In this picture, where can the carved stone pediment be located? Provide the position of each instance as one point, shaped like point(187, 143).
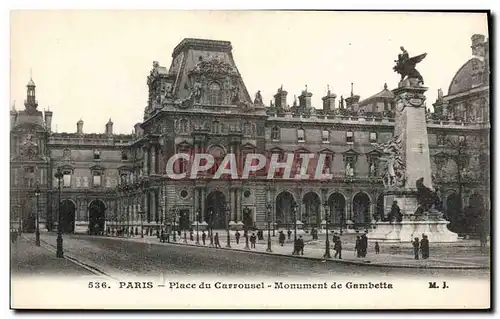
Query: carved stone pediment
point(213, 67)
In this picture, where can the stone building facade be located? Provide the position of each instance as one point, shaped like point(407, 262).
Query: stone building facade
point(200, 104)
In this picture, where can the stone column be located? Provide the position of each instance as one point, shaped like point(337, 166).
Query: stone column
point(196, 196)
point(145, 161)
point(239, 204)
point(153, 160)
point(202, 203)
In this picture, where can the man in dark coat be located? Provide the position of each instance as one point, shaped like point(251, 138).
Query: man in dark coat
point(424, 246)
point(289, 233)
point(357, 247)
point(300, 246)
point(416, 247)
point(253, 239)
point(203, 237)
point(281, 238)
point(216, 241)
point(364, 244)
point(237, 237)
point(337, 247)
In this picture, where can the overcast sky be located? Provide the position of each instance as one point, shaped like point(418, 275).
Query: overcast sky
point(92, 65)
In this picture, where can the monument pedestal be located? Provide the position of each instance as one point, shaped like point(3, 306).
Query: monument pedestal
point(407, 230)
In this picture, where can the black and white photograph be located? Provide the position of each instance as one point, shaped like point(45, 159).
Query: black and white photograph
point(250, 159)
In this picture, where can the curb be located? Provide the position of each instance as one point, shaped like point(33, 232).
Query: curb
point(368, 264)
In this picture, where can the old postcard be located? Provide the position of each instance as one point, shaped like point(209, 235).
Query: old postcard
point(249, 160)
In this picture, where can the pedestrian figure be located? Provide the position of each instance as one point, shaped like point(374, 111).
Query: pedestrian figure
point(136, 231)
point(357, 248)
point(168, 237)
point(237, 237)
point(252, 240)
point(179, 233)
point(416, 246)
point(338, 247)
point(216, 241)
point(289, 233)
point(377, 248)
point(300, 245)
point(281, 238)
point(364, 245)
point(424, 246)
point(203, 237)
point(162, 237)
point(191, 235)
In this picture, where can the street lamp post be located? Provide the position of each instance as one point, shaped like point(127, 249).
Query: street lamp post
point(142, 223)
point(327, 242)
point(197, 222)
point(228, 213)
point(59, 252)
point(269, 207)
point(175, 221)
point(37, 234)
point(246, 232)
point(294, 226)
point(210, 230)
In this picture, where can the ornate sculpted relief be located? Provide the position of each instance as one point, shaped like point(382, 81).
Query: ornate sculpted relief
point(409, 99)
point(394, 171)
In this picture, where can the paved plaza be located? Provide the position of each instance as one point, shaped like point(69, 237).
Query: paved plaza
point(118, 257)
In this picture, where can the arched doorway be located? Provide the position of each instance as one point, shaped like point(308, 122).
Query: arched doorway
point(312, 205)
point(284, 209)
point(361, 208)
point(68, 209)
point(215, 215)
point(380, 208)
point(97, 217)
point(336, 203)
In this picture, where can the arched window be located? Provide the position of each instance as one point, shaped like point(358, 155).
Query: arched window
point(214, 94)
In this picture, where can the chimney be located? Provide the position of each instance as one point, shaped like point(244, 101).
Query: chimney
point(305, 99)
point(329, 101)
point(478, 45)
point(13, 115)
point(352, 101)
point(280, 98)
point(48, 120)
point(79, 127)
point(109, 128)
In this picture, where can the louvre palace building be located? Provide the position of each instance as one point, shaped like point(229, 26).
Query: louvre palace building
point(200, 104)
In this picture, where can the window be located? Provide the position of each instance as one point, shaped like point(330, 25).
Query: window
point(349, 137)
point(373, 169)
point(183, 126)
point(300, 135)
point(326, 136)
point(124, 155)
point(275, 133)
point(216, 127)
point(96, 179)
point(184, 193)
point(373, 137)
point(66, 178)
point(214, 94)
point(29, 170)
point(440, 139)
point(97, 155)
point(461, 138)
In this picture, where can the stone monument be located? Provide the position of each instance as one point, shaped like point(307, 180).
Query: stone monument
point(409, 202)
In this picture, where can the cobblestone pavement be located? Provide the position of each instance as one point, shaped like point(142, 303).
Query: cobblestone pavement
point(146, 256)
